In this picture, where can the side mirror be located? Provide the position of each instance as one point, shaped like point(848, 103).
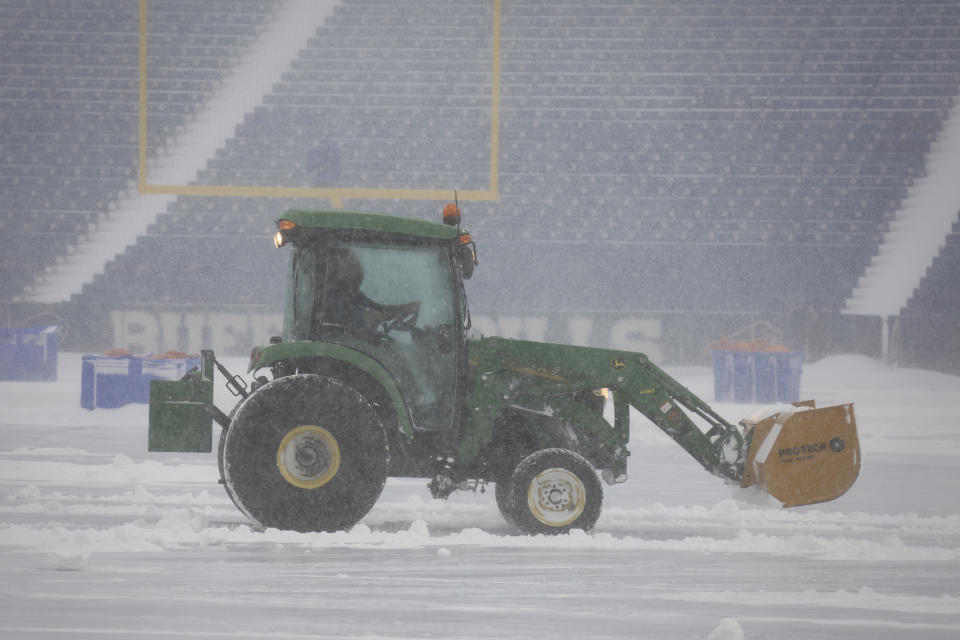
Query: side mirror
point(467, 259)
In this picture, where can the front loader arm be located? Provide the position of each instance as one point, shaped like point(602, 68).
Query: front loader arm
point(799, 454)
point(542, 377)
point(665, 402)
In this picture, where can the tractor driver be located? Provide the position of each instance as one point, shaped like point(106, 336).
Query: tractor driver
point(345, 304)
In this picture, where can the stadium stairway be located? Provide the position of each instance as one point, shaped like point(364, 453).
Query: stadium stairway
point(917, 234)
point(187, 154)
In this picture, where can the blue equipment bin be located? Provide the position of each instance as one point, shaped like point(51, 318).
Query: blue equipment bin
point(756, 377)
point(113, 381)
point(28, 354)
point(789, 368)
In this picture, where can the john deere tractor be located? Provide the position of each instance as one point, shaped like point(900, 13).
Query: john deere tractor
point(375, 375)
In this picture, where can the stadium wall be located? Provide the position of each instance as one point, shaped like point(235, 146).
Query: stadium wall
point(668, 338)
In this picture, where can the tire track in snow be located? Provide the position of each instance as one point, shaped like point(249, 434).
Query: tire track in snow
point(158, 517)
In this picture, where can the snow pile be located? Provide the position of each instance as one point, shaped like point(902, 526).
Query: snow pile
point(122, 470)
point(728, 629)
point(723, 529)
point(855, 372)
point(68, 561)
point(865, 598)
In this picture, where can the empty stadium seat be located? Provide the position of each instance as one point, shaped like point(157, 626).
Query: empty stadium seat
point(658, 135)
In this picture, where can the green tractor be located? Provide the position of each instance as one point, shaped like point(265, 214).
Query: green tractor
point(375, 376)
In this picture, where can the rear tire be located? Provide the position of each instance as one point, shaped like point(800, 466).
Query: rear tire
point(220, 446)
point(305, 453)
point(501, 491)
point(553, 491)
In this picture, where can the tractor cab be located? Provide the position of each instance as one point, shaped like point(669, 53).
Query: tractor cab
point(389, 289)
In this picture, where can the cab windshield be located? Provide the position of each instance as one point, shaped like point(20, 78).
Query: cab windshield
point(368, 288)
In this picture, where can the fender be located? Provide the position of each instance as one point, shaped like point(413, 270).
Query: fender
point(267, 356)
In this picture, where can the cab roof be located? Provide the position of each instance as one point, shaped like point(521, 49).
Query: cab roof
point(363, 221)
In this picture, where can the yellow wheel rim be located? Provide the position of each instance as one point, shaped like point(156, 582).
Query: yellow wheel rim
point(556, 497)
point(308, 457)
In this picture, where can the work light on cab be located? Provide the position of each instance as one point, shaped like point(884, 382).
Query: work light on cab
point(451, 214)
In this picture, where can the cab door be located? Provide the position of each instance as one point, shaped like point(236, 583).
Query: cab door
point(399, 303)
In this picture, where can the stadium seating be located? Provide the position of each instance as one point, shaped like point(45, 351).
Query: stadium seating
point(69, 108)
point(716, 156)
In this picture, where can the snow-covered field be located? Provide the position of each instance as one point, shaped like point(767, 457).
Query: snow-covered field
point(98, 538)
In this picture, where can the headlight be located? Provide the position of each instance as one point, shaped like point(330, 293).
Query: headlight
point(279, 238)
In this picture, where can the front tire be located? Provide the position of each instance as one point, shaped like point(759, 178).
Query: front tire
point(553, 491)
point(305, 453)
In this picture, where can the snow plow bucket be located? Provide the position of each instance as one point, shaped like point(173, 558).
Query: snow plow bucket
point(800, 454)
